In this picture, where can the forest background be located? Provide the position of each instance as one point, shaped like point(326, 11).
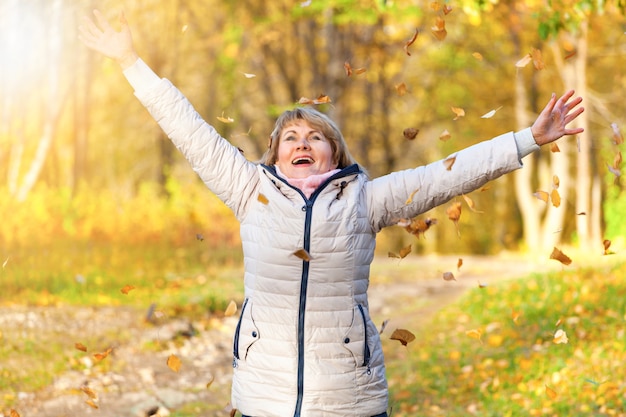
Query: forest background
point(82, 161)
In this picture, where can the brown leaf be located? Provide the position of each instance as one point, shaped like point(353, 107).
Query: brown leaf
point(617, 160)
point(90, 393)
point(607, 245)
point(554, 148)
point(383, 326)
point(445, 136)
point(401, 89)
point(560, 256)
point(470, 204)
point(174, 363)
point(321, 99)
point(349, 70)
point(537, 59)
point(231, 309)
point(410, 133)
point(403, 336)
point(447, 9)
point(126, 289)
point(448, 162)
point(13, 413)
point(458, 112)
point(419, 227)
point(210, 382)
point(448, 276)
point(303, 254)
point(80, 346)
point(477, 55)
point(459, 264)
point(100, 356)
point(439, 29)
point(402, 254)
point(556, 181)
point(91, 404)
point(454, 213)
point(410, 42)
point(618, 139)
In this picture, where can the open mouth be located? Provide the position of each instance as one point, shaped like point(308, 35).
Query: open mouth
point(302, 161)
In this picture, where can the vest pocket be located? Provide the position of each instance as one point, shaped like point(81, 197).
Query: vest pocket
point(355, 340)
point(246, 332)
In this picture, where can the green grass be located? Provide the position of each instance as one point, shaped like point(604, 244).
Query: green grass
point(446, 372)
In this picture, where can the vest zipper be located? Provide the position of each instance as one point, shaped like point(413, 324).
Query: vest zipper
point(237, 330)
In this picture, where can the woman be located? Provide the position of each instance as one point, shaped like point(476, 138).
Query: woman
point(305, 344)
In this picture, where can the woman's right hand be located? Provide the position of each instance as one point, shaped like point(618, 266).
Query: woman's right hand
point(101, 37)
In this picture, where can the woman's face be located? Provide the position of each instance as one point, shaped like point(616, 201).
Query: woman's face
point(303, 151)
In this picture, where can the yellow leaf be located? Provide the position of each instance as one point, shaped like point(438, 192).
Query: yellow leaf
point(91, 404)
point(90, 393)
point(556, 181)
point(550, 393)
point(555, 198)
point(410, 199)
point(403, 336)
point(477, 55)
point(554, 147)
point(475, 334)
point(303, 254)
point(231, 309)
point(560, 337)
point(458, 112)
point(174, 363)
point(542, 195)
point(263, 199)
point(470, 204)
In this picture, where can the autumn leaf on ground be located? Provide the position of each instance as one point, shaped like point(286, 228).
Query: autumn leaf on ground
point(550, 393)
point(458, 112)
point(13, 413)
point(448, 276)
point(402, 254)
point(321, 99)
point(410, 42)
point(555, 197)
point(454, 213)
point(90, 393)
point(439, 29)
point(618, 139)
point(80, 347)
point(560, 256)
point(515, 315)
point(560, 337)
point(410, 199)
point(262, 199)
point(401, 89)
point(349, 70)
point(448, 162)
point(445, 136)
point(231, 309)
point(607, 245)
point(303, 254)
point(101, 356)
point(225, 119)
point(410, 133)
point(542, 195)
point(403, 336)
point(470, 204)
point(126, 289)
point(475, 334)
point(174, 363)
point(490, 114)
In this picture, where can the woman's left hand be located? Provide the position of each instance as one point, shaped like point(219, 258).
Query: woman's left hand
point(554, 118)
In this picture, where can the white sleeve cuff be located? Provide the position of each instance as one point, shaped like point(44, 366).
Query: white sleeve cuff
point(141, 77)
point(525, 142)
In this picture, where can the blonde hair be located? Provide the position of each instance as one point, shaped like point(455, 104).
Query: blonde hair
point(318, 121)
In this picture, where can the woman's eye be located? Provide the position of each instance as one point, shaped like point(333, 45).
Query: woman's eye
point(316, 137)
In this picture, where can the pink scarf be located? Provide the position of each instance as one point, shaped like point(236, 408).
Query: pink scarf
point(309, 184)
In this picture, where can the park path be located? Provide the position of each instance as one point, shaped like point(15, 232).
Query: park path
point(136, 380)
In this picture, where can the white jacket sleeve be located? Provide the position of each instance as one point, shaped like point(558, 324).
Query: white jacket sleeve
point(219, 164)
point(433, 184)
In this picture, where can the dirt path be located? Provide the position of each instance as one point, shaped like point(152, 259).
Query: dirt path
point(134, 380)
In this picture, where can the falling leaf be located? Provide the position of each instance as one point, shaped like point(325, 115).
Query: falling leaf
point(475, 334)
point(618, 139)
point(199, 236)
point(91, 404)
point(410, 199)
point(542, 195)
point(101, 356)
point(614, 171)
point(459, 264)
point(322, 99)
point(537, 59)
point(225, 119)
point(410, 42)
point(4, 264)
point(403, 336)
point(174, 363)
point(555, 198)
point(80, 346)
point(515, 315)
point(303, 254)
point(560, 256)
point(470, 204)
point(349, 70)
point(550, 393)
point(231, 309)
point(454, 213)
point(247, 75)
point(435, 6)
point(447, 9)
point(445, 135)
point(383, 326)
point(210, 382)
point(458, 112)
point(480, 285)
point(401, 89)
point(184, 28)
point(13, 413)
point(478, 56)
point(448, 162)
point(439, 29)
point(556, 182)
point(410, 133)
point(569, 55)
point(448, 276)
point(554, 148)
point(560, 337)
point(402, 254)
point(607, 245)
point(490, 114)
point(126, 289)
point(262, 199)
point(419, 227)
point(90, 393)
point(524, 61)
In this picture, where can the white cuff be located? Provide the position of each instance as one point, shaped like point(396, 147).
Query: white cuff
point(525, 142)
point(141, 77)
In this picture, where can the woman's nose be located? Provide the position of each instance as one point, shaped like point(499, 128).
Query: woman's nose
point(303, 143)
